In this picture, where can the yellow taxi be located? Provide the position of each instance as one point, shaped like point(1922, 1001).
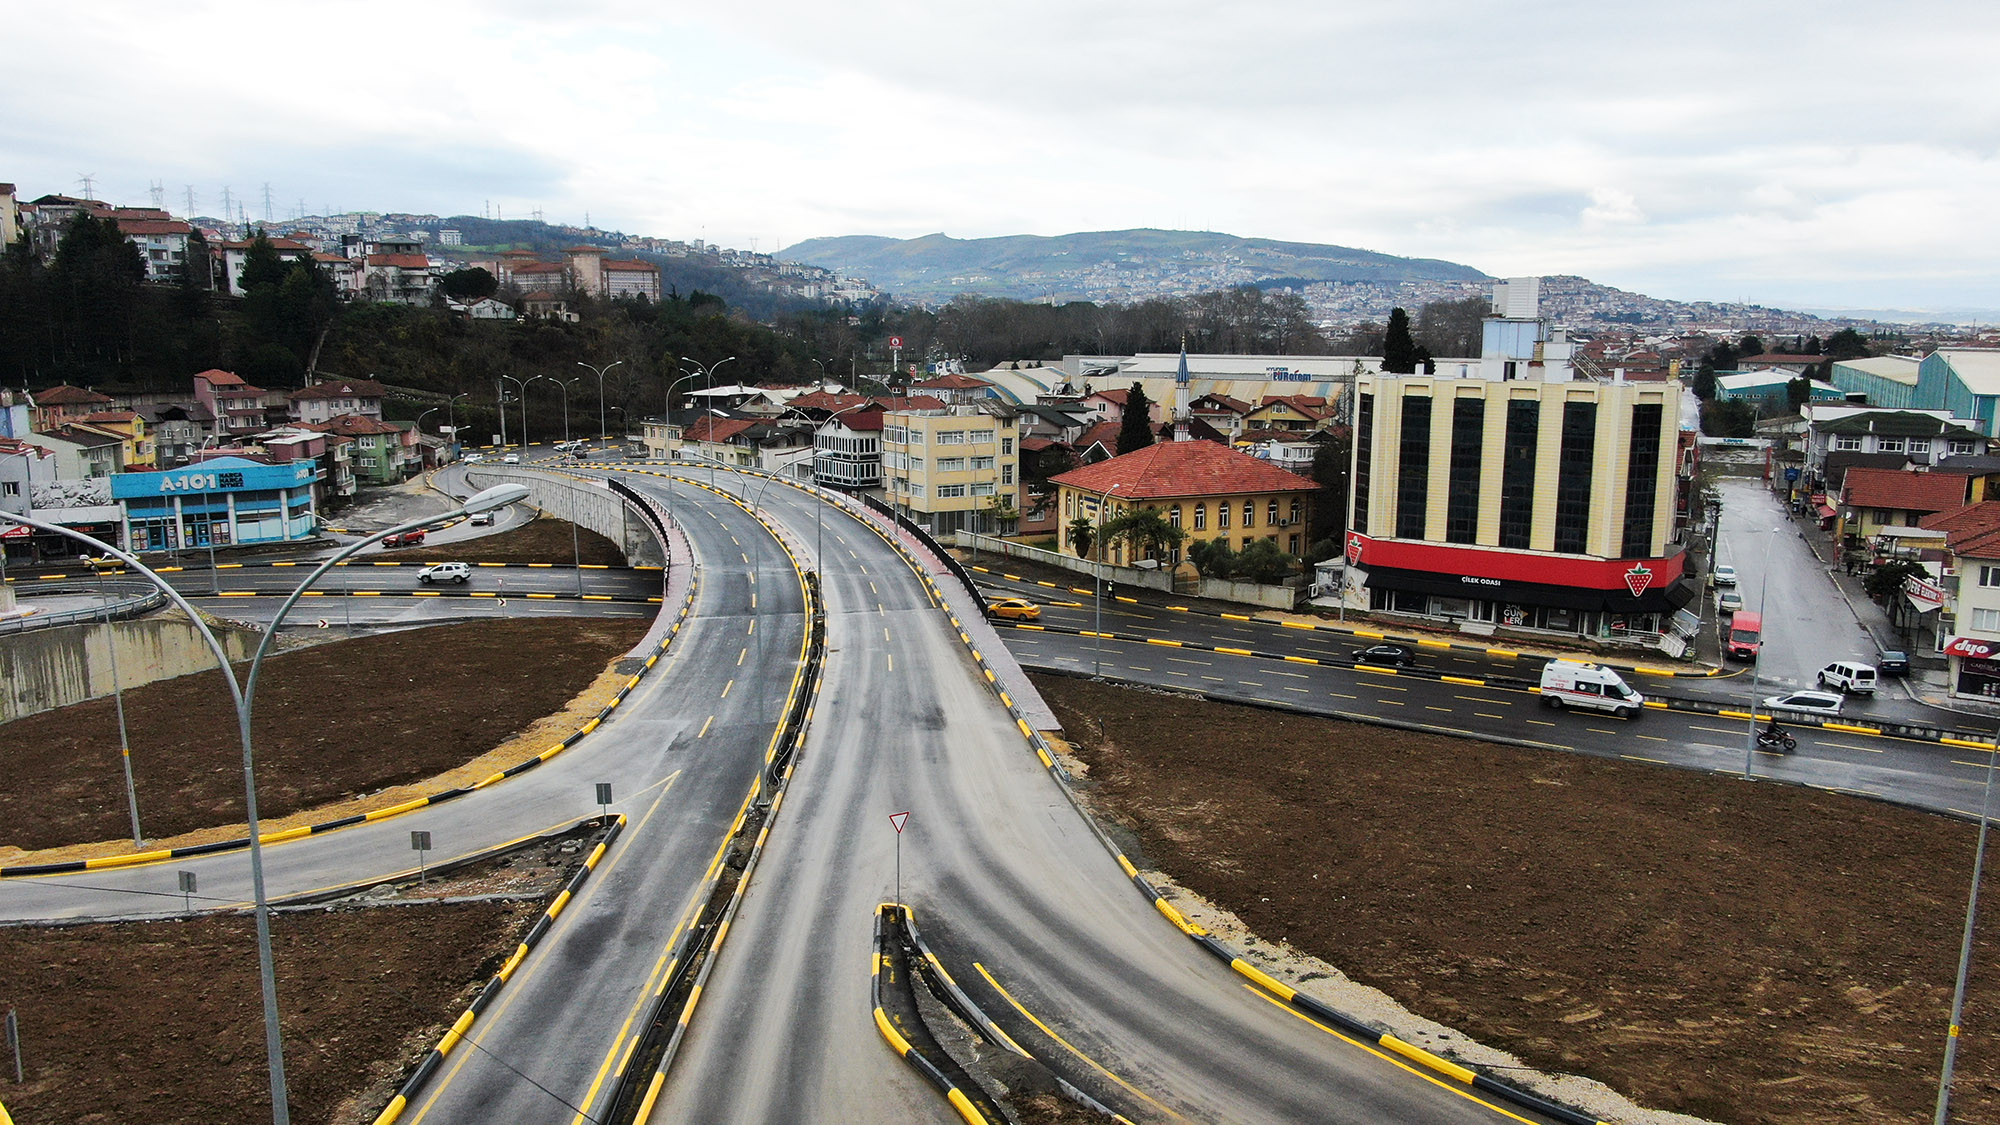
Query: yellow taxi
point(1013, 609)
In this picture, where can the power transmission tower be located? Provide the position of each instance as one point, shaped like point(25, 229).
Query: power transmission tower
point(267, 201)
point(159, 191)
point(228, 209)
point(190, 201)
point(89, 182)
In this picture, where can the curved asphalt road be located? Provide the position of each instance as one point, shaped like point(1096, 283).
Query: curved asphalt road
point(1002, 871)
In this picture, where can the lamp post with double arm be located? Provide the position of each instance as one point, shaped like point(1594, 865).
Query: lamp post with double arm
point(820, 506)
point(602, 433)
point(242, 696)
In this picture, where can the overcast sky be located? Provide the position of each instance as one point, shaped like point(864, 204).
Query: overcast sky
point(1828, 154)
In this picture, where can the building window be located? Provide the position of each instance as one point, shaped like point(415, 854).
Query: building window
point(951, 464)
point(1413, 473)
point(1882, 516)
point(1201, 517)
point(1271, 514)
point(1888, 445)
point(982, 488)
point(950, 491)
point(1249, 514)
point(1247, 540)
point(1461, 506)
point(1006, 474)
point(1222, 515)
point(1298, 509)
point(1006, 447)
point(1989, 575)
point(1579, 440)
point(1847, 443)
point(1364, 440)
point(12, 488)
point(1986, 620)
point(1174, 516)
point(951, 437)
point(1960, 448)
point(982, 464)
point(1641, 481)
point(1292, 544)
point(895, 435)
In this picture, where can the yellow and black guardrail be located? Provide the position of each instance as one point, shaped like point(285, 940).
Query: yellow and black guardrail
point(897, 1018)
point(302, 831)
point(459, 1028)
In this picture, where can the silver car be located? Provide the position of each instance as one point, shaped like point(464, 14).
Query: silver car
point(1810, 702)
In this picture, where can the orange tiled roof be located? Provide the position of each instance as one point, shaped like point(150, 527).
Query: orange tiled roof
point(400, 261)
point(66, 395)
point(1173, 469)
point(1902, 490)
point(110, 416)
point(710, 428)
point(952, 383)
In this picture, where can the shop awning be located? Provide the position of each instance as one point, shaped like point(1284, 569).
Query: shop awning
point(1826, 511)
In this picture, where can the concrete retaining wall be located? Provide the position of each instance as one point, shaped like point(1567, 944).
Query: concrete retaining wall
point(68, 664)
point(1122, 575)
point(1248, 593)
point(583, 501)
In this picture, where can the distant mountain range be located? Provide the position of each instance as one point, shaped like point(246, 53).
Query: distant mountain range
point(1119, 265)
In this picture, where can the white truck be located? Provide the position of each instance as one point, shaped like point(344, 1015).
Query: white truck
point(1579, 683)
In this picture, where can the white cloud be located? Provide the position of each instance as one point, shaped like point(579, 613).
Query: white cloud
point(1677, 151)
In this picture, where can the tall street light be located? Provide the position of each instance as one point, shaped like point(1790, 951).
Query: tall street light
point(524, 408)
point(523, 385)
point(1757, 662)
point(708, 370)
point(500, 404)
point(602, 433)
point(242, 697)
point(820, 506)
point(451, 419)
point(1965, 946)
point(565, 384)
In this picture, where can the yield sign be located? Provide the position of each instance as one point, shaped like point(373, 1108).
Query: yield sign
point(1638, 578)
point(899, 819)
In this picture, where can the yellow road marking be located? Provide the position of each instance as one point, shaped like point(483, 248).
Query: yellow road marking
point(1065, 1044)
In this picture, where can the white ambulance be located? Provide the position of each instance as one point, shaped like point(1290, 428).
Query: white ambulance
point(1579, 683)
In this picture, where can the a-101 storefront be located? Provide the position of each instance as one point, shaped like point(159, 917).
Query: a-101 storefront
point(215, 503)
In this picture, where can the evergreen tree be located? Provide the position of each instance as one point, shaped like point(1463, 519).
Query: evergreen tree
point(1135, 428)
point(1399, 350)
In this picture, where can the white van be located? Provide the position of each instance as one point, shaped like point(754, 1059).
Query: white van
point(1579, 683)
point(1849, 676)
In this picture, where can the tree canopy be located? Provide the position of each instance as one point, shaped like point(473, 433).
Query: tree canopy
point(1135, 426)
point(1399, 350)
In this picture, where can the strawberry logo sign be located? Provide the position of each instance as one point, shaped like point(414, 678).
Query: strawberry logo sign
point(1638, 578)
point(1354, 549)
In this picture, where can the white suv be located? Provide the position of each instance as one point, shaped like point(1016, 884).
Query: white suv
point(445, 572)
point(1851, 677)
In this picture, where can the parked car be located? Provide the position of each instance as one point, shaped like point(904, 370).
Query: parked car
point(1892, 662)
point(445, 572)
point(1810, 702)
point(1393, 655)
point(1728, 601)
point(404, 539)
point(1725, 576)
point(1014, 609)
point(1849, 677)
point(511, 459)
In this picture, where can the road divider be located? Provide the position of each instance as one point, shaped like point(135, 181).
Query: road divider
point(902, 1026)
point(413, 1084)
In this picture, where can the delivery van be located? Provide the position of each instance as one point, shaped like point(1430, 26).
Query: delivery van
point(1593, 687)
point(1745, 636)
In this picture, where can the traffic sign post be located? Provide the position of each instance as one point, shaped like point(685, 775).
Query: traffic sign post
point(603, 800)
point(187, 891)
point(898, 820)
point(421, 841)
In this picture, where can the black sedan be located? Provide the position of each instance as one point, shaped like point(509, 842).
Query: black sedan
point(1394, 656)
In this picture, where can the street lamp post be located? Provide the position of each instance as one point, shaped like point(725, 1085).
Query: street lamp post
point(500, 404)
point(820, 507)
point(241, 696)
point(1757, 662)
point(565, 384)
point(602, 433)
point(523, 385)
point(1965, 946)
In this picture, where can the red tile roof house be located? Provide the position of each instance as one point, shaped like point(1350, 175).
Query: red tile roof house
point(1206, 489)
point(1872, 500)
point(57, 405)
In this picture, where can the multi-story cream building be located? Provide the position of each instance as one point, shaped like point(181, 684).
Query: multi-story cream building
point(1206, 489)
point(1516, 493)
point(956, 469)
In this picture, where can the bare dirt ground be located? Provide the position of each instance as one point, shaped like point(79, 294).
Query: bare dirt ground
point(162, 1022)
point(332, 722)
point(1746, 952)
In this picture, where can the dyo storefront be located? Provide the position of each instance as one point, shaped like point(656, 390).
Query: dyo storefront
point(215, 504)
point(1578, 595)
point(1975, 667)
